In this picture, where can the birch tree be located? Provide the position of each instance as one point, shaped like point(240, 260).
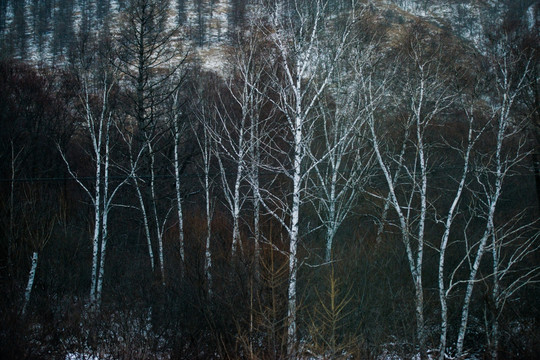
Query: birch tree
point(511, 247)
point(495, 168)
point(206, 114)
point(98, 127)
point(345, 162)
point(39, 217)
point(426, 94)
point(230, 135)
point(206, 146)
point(236, 132)
point(306, 61)
point(252, 90)
point(178, 130)
point(450, 215)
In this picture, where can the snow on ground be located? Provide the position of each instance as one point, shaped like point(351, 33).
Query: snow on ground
point(214, 58)
point(82, 356)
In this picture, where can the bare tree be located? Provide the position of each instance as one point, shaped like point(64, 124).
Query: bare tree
point(178, 129)
point(426, 95)
point(39, 217)
point(306, 61)
point(236, 132)
point(207, 147)
point(472, 137)
point(230, 134)
point(511, 246)
point(345, 159)
point(495, 168)
point(97, 126)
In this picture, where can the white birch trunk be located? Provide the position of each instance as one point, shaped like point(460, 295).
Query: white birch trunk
point(159, 233)
point(293, 241)
point(105, 216)
point(256, 236)
point(104, 239)
point(470, 286)
point(177, 184)
point(301, 47)
point(30, 49)
point(443, 292)
point(233, 148)
point(415, 265)
point(236, 242)
point(492, 202)
point(11, 207)
point(340, 178)
point(99, 128)
point(30, 283)
point(331, 225)
point(421, 225)
point(207, 251)
point(96, 140)
point(388, 197)
point(254, 181)
point(142, 207)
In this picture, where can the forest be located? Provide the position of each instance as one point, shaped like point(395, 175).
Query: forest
point(268, 179)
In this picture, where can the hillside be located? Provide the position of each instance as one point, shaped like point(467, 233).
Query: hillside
point(46, 31)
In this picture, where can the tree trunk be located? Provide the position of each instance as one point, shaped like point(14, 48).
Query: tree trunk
point(159, 233)
point(30, 283)
point(207, 251)
point(178, 195)
point(97, 221)
point(293, 244)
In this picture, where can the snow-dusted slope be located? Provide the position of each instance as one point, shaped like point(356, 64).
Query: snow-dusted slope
point(45, 30)
point(467, 19)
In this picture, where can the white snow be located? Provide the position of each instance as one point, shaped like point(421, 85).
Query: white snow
point(82, 356)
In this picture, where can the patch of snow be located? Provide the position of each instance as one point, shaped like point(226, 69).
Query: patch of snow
point(213, 59)
point(82, 356)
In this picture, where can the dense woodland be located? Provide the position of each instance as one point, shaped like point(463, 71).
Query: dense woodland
point(350, 182)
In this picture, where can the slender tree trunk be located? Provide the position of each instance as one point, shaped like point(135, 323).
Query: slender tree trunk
point(97, 226)
point(420, 323)
point(332, 223)
point(494, 335)
point(30, 283)
point(389, 197)
point(293, 244)
point(145, 223)
point(469, 290)
point(479, 254)
point(159, 234)
point(489, 231)
point(105, 216)
point(330, 234)
point(207, 252)
point(415, 265)
point(255, 161)
point(236, 242)
point(178, 195)
point(256, 238)
point(443, 293)
point(104, 238)
point(421, 229)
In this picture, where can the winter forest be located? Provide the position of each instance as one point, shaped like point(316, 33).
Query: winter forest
point(269, 179)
